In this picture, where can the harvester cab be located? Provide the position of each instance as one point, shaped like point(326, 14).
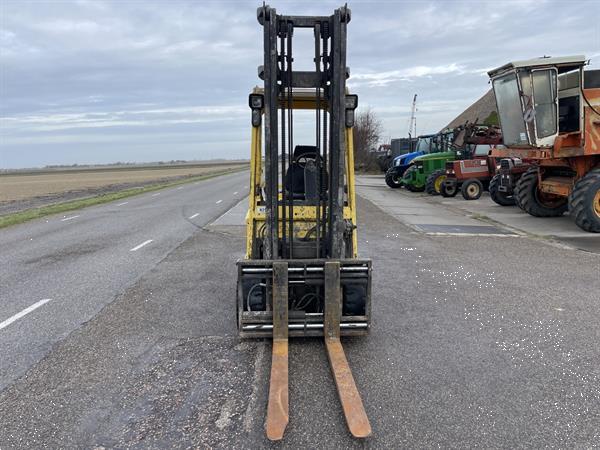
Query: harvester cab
point(301, 275)
point(549, 111)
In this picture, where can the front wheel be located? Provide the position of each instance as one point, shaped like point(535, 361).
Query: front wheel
point(535, 202)
point(448, 190)
point(471, 189)
point(584, 202)
point(392, 178)
point(501, 198)
point(434, 181)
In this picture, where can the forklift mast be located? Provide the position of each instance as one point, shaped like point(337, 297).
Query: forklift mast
point(302, 276)
point(328, 82)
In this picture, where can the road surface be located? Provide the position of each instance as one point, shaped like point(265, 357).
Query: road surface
point(62, 270)
point(478, 340)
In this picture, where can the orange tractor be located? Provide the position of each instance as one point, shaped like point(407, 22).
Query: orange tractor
point(550, 117)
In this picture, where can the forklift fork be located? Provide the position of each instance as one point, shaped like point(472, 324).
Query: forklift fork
point(278, 406)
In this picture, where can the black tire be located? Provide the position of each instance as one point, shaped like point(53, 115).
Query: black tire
point(255, 298)
point(584, 202)
point(392, 178)
point(433, 179)
point(501, 198)
point(449, 190)
point(535, 203)
point(354, 299)
point(471, 189)
point(407, 175)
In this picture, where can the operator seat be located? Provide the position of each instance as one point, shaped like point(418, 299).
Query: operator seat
point(299, 175)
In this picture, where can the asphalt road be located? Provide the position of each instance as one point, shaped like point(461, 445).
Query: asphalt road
point(477, 341)
point(79, 263)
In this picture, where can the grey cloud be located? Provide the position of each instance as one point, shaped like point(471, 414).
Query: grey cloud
point(92, 81)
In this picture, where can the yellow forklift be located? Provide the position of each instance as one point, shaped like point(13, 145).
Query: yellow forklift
point(302, 276)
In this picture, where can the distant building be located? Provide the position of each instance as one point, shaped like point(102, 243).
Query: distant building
point(482, 111)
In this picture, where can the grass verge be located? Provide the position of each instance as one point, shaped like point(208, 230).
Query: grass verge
point(36, 213)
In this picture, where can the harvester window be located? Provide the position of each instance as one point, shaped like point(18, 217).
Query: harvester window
point(569, 102)
point(544, 91)
point(508, 100)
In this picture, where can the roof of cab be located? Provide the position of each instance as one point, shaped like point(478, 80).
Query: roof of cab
point(563, 62)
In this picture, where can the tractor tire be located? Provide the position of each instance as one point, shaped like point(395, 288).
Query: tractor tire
point(447, 190)
point(501, 198)
point(584, 202)
point(407, 175)
point(434, 182)
point(471, 189)
point(392, 179)
point(534, 202)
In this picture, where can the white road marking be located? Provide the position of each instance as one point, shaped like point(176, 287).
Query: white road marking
point(154, 195)
point(26, 311)
point(219, 201)
point(194, 216)
point(121, 204)
point(180, 187)
point(235, 193)
point(137, 247)
point(69, 218)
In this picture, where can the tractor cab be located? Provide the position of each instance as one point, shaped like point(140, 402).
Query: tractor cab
point(539, 99)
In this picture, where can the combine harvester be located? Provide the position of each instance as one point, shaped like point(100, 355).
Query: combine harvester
point(549, 118)
point(301, 275)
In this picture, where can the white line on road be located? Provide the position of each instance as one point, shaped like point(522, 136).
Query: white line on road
point(235, 193)
point(121, 204)
point(137, 247)
point(219, 201)
point(69, 218)
point(194, 216)
point(26, 311)
point(180, 187)
point(154, 195)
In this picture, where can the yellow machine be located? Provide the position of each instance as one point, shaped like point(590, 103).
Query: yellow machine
point(301, 275)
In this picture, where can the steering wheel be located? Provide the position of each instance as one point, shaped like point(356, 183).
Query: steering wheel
point(302, 159)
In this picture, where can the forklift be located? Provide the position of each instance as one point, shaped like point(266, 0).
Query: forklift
point(301, 276)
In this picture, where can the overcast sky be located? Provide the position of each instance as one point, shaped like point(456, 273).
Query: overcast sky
point(101, 81)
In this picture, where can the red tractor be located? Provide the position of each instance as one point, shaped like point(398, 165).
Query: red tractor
point(476, 163)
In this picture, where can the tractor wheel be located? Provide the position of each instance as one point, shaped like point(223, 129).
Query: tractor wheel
point(471, 189)
point(448, 190)
point(584, 202)
point(534, 202)
point(502, 198)
point(433, 185)
point(407, 179)
point(392, 178)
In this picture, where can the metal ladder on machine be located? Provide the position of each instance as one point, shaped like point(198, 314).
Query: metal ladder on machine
point(328, 81)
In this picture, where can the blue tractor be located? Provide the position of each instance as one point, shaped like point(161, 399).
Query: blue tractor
point(393, 176)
